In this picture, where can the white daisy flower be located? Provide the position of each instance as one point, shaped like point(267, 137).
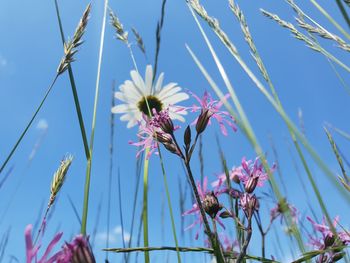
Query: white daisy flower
point(136, 93)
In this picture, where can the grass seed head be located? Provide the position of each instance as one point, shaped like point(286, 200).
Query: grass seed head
point(59, 177)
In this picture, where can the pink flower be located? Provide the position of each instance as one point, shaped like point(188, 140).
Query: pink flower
point(249, 203)
point(281, 208)
point(32, 250)
point(77, 251)
point(146, 140)
point(159, 128)
point(233, 175)
point(253, 174)
point(211, 109)
point(327, 235)
point(203, 193)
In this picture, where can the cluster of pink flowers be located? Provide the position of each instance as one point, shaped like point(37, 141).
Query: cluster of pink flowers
point(159, 127)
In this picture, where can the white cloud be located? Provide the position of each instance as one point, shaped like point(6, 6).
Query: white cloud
point(42, 125)
point(3, 61)
point(102, 236)
point(114, 236)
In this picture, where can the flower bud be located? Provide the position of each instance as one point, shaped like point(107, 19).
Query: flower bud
point(235, 178)
point(167, 125)
point(234, 193)
point(187, 137)
point(203, 120)
point(337, 256)
point(329, 240)
point(249, 204)
point(251, 184)
point(163, 137)
point(211, 204)
point(171, 147)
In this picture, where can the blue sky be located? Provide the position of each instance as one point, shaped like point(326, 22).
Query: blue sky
point(30, 50)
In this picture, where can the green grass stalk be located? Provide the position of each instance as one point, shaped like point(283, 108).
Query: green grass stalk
point(169, 204)
point(74, 89)
point(330, 18)
point(145, 204)
point(88, 166)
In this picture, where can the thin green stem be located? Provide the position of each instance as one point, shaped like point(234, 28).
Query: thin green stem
point(284, 116)
point(314, 186)
point(214, 242)
point(278, 102)
point(132, 57)
point(343, 12)
point(28, 125)
point(74, 90)
point(248, 132)
point(169, 203)
point(145, 204)
point(330, 19)
point(88, 166)
point(231, 255)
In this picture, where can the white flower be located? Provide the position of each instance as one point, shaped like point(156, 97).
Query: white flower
point(136, 93)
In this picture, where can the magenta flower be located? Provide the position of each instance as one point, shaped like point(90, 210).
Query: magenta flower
point(326, 233)
point(281, 208)
point(159, 128)
point(77, 251)
point(203, 194)
point(249, 203)
point(253, 174)
point(146, 139)
point(234, 174)
point(32, 250)
point(210, 108)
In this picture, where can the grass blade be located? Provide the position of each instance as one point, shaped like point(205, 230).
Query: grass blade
point(28, 125)
point(121, 213)
point(330, 18)
point(92, 137)
point(74, 89)
point(169, 204)
point(145, 204)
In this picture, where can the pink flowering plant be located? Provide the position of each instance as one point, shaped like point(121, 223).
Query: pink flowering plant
point(252, 212)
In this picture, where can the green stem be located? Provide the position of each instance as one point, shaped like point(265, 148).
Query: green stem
point(330, 19)
point(314, 186)
point(29, 124)
point(74, 90)
point(343, 12)
point(145, 204)
point(213, 240)
point(170, 206)
point(88, 166)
